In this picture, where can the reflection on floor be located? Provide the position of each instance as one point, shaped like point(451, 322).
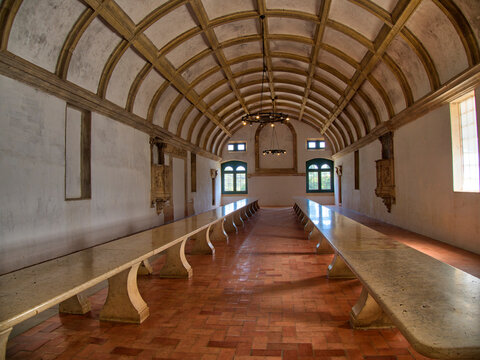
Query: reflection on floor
point(263, 296)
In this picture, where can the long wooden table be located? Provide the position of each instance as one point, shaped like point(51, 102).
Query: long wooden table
point(434, 305)
point(25, 293)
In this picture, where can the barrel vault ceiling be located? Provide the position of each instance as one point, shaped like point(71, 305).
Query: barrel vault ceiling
point(191, 68)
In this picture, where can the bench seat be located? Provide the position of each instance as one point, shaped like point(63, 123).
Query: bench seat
point(434, 305)
point(26, 292)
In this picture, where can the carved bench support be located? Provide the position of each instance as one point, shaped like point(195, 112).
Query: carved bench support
point(229, 225)
point(255, 206)
point(77, 304)
point(243, 214)
point(145, 268)
point(124, 302)
point(339, 270)
point(323, 246)
point(237, 219)
point(366, 313)
point(309, 226)
point(250, 212)
point(3, 342)
point(176, 264)
point(218, 232)
point(202, 244)
point(304, 220)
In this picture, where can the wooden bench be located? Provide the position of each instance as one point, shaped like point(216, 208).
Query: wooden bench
point(25, 293)
point(434, 305)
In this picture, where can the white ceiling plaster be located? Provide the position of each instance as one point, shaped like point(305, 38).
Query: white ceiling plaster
point(122, 77)
point(170, 26)
point(247, 78)
point(182, 53)
point(188, 122)
point(308, 6)
point(149, 87)
point(412, 67)
point(290, 26)
point(163, 105)
point(138, 9)
point(323, 74)
point(366, 110)
point(345, 43)
point(355, 17)
point(234, 51)
point(91, 54)
point(198, 68)
point(372, 93)
point(286, 62)
point(292, 47)
point(183, 105)
point(217, 91)
point(236, 29)
point(388, 5)
point(387, 80)
point(217, 8)
point(336, 63)
point(208, 81)
point(38, 37)
point(245, 65)
point(471, 10)
point(439, 37)
point(290, 76)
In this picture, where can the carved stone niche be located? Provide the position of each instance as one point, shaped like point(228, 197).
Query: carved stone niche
point(160, 192)
point(385, 172)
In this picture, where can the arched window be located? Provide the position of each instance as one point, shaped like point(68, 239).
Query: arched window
point(319, 175)
point(234, 177)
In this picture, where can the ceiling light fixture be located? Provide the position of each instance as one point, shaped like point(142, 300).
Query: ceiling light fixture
point(264, 117)
point(274, 150)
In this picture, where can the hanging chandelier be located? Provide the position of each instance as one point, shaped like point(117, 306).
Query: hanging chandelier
point(264, 117)
point(274, 148)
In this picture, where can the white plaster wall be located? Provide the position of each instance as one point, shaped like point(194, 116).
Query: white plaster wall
point(202, 198)
point(425, 201)
point(34, 214)
point(277, 190)
point(178, 190)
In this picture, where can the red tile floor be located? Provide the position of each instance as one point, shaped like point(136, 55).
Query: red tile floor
point(265, 295)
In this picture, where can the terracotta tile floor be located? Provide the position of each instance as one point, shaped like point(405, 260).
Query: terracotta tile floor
point(265, 295)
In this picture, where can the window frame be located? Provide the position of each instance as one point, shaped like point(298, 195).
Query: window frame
point(235, 146)
point(234, 164)
point(319, 162)
point(317, 144)
point(458, 156)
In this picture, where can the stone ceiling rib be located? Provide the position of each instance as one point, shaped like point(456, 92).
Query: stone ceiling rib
point(115, 17)
point(132, 93)
point(262, 8)
point(7, 15)
point(202, 18)
point(318, 38)
point(402, 12)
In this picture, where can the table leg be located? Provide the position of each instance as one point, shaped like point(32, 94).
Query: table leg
point(124, 302)
point(176, 264)
point(338, 269)
point(77, 304)
point(367, 314)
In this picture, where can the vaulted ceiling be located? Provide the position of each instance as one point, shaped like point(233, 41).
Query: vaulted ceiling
point(192, 68)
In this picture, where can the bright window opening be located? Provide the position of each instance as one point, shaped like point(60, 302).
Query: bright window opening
point(319, 175)
point(237, 146)
point(465, 145)
point(313, 144)
point(234, 177)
